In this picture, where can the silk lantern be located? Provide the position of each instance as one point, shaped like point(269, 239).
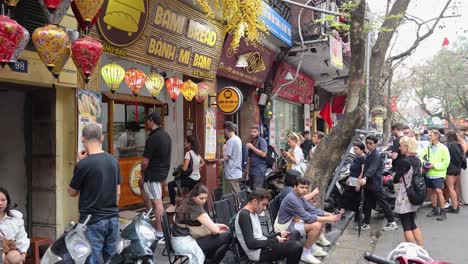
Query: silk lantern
point(21, 46)
point(189, 90)
point(50, 42)
point(154, 83)
point(82, 24)
point(113, 74)
point(11, 3)
point(61, 61)
point(88, 9)
point(173, 87)
point(86, 52)
point(54, 16)
point(135, 79)
point(11, 34)
point(202, 92)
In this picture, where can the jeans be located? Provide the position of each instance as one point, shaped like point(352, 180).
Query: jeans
point(215, 246)
point(103, 236)
point(290, 250)
point(371, 198)
point(256, 181)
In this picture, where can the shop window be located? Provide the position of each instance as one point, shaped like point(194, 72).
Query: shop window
point(288, 118)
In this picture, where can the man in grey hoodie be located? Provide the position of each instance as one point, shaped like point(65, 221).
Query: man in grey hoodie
point(297, 214)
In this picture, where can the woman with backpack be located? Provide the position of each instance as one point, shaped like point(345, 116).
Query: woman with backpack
point(457, 158)
point(408, 167)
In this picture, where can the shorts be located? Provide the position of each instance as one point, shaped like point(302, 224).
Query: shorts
point(153, 190)
point(435, 183)
point(299, 227)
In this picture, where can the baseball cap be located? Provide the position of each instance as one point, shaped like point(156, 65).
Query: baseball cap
point(155, 117)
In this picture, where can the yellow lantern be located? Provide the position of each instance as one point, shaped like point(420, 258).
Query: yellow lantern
point(189, 90)
point(60, 62)
point(154, 83)
point(113, 74)
point(88, 9)
point(11, 3)
point(50, 42)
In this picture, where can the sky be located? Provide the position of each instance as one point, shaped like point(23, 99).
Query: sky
point(451, 28)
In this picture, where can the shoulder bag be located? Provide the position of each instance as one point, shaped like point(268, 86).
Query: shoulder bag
point(189, 170)
point(417, 191)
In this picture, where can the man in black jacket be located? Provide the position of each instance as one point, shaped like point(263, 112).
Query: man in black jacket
point(373, 191)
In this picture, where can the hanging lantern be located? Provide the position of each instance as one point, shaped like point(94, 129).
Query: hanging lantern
point(113, 74)
point(11, 3)
point(174, 86)
point(86, 52)
point(50, 42)
point(202, 92)
point(11, 34)
point(55, 15)
point(21, 46)
point(154, 83)
point(52, 5)
point(61, 61)
point(189, 90)
point(135, 79)
point(88, 9)
point(82, 24)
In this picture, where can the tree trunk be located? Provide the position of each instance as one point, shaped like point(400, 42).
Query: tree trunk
point(332, 147)
point(389, 113)
point(379, 51)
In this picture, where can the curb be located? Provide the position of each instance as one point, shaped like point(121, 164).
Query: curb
point(338, 229)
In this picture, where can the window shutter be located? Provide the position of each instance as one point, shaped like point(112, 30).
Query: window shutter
point(30, 15)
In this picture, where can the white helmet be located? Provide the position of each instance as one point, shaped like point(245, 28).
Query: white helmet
point(411, 251)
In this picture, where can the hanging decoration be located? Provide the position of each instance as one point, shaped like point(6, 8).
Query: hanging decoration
point(21, 46)
point(11, 34)
point(11, 3)
point(154, 83)
point(202, 92)
point(52, 5)
point(50, 42)
point(174, 86)
point(113, 74)
point(86, 52)
point(82, 24)
point(189, 90)
point(135, 79)
point(61, 61)
point(55, 15)
point(88, 9)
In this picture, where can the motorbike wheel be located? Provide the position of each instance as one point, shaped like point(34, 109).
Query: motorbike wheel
point(148, 261)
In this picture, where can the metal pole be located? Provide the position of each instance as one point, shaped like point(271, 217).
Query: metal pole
point(368, 56)
point(312, 8)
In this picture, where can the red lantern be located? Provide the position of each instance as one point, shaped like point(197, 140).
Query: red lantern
point(52, 5)
point(202, 92)
point(174, 86)
point(82, 24)
point(135, 79)
point(86, 52)
point(11, 34)
point(55, 16)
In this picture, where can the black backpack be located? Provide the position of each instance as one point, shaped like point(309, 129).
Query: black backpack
point(270, 157)
point(417, 192)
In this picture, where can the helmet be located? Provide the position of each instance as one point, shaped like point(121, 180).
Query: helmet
point(409, 251)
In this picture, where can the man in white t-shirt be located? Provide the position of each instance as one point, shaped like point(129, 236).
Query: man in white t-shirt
point(232, 157)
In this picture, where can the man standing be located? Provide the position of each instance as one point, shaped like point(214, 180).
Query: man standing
point(373, 192)
point(96, 179)
point(256, 164)
point(232, 157)
point(425, 136)
point(397, 130)
point(296, 214)
point(307, 145)
point(155, 166)
point(436, 159)
point(283, 245)
point(316, 140)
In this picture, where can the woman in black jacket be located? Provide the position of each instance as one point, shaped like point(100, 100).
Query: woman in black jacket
point(454, 169)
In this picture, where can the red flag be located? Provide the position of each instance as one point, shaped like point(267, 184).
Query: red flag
point(326, 115)
point(446, 42)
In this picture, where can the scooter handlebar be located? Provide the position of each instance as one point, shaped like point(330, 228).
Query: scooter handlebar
point(376, 259)
point(87, 220)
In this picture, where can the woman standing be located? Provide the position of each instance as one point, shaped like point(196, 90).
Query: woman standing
point(192, 160)
point(12, 232)
point(189, 214)
point(294, 155)
point(454, 169)
point(404, 173)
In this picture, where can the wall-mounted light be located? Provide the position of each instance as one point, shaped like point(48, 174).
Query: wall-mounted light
point(212, 100)
point(242, 62)
point(288, 77)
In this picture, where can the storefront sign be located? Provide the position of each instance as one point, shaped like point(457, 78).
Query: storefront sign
point(89, 111)
point(277, 25)
point(259, 59)
point(300, 91)
point(210, 135)
point(336, 53)
point(164, 34)
point(229, 100)
point(134, 177)
point(20, 66)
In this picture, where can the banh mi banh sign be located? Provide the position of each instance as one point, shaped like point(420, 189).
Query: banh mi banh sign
point(164, 34)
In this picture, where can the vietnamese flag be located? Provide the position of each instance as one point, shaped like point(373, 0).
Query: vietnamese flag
point(445, 42)
point(326, 115)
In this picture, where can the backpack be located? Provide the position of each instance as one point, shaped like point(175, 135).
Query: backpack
point(417, 192)
point(270, 157)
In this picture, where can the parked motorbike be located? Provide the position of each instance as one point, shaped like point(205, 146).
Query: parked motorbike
point(274, 181)
point(334, 201)
point(137, 242)
point(72, 247)
point(404, 253)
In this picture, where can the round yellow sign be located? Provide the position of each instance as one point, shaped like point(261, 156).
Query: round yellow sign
point(229, 100)
point(135, 175)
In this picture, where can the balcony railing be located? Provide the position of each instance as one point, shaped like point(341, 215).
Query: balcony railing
point(281, 8)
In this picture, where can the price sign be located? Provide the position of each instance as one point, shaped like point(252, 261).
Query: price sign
point(20, 66)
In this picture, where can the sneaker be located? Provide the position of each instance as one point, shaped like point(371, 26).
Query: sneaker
point(452, 210)
point(447, 205)
point(161, 240)
point(170, 209)
point(319, 252)
point(433, 212)
point(364, 227)
point(308, 258)
point(322, 240)
point(390, 226)
point(442, 216)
